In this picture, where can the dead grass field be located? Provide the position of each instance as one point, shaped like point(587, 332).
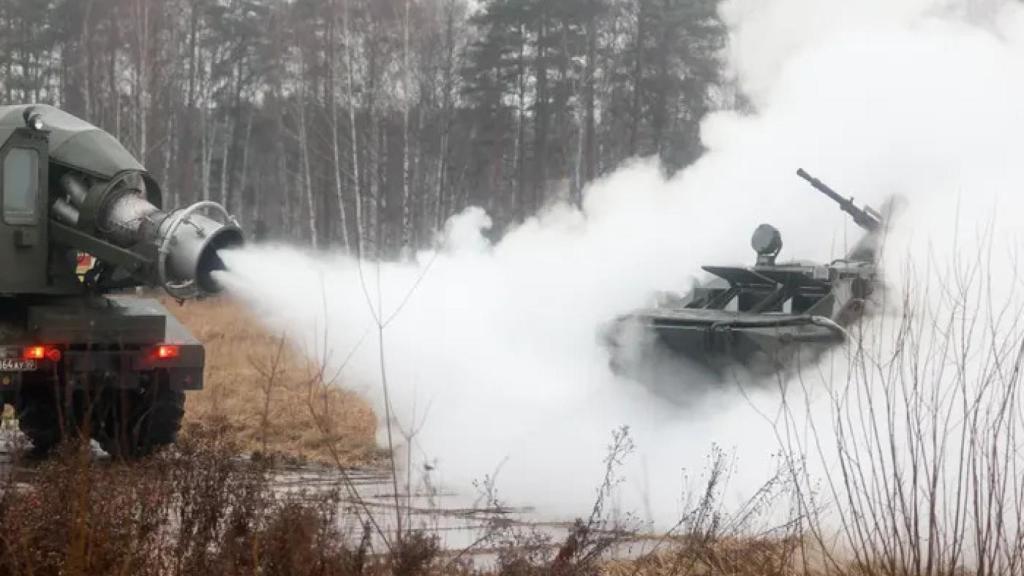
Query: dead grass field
point(281, 412)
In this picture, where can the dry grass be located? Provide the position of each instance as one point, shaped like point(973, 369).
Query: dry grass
point(260, 390)
point(733, 556)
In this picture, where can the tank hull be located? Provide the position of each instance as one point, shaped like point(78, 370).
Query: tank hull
point(760, 321)
point(716, 342)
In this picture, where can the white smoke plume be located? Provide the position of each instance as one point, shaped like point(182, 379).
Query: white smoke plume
point(492, 349)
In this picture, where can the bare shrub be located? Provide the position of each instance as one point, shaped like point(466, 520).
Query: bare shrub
point(71, 518)
point(198, 509)
point(750, 539)
point(589, 543)
point(919, 443)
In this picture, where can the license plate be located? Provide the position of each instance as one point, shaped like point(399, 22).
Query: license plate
point(18, 365)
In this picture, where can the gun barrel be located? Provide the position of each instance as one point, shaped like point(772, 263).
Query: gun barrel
point(822, 187)
point(864, 218)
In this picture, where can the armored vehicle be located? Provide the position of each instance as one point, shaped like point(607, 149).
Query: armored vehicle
point(77, 354)
point(763, 318)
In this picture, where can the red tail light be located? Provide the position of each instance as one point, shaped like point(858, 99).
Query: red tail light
point(34, 353)
point(168, 352)
point(41, 353)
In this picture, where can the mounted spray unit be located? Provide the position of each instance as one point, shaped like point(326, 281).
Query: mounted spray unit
point(104, 203)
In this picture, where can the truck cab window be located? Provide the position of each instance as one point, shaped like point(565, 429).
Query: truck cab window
point(20, 171)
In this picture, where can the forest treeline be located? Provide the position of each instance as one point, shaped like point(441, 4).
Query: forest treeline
point(366, 124)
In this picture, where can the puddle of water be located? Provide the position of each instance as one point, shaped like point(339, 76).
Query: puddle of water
point(463, 527)
point(458, 522)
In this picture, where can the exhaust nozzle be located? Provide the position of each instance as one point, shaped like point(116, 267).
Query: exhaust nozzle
point(189, 249)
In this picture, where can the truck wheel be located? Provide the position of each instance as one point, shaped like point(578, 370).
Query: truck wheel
point(48, 416)
point(142, 421)
point(38, 416)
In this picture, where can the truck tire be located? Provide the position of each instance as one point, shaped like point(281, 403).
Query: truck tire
point(38, 414)
point(142, 421)
point(47, 416)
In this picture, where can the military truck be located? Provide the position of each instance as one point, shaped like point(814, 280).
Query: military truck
point(79, 353)
point(764, 318)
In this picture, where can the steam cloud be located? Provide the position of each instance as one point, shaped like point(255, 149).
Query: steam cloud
point(495, 357)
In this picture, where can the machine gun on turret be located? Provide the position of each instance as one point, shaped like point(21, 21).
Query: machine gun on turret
point(867, 218)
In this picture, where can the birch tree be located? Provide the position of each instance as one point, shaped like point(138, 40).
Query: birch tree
point(369, 123)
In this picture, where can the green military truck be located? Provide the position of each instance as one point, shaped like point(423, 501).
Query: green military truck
point(77, 353)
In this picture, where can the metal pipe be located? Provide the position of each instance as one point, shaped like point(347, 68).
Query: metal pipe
point(65, 212)
point(76, 189)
